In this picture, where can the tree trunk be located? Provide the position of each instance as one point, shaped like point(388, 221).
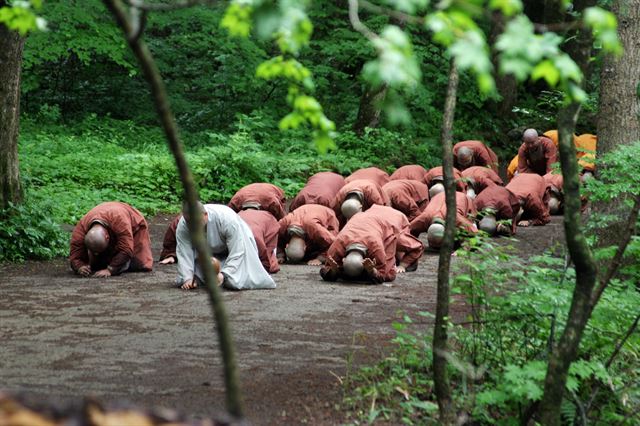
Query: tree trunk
point(506, 84)
point(618, 121)
point(565, 352)
point(440, 338)
point(11, 45)
point(151, 73)
point(370, 108)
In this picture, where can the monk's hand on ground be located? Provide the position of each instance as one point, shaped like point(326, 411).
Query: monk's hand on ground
point(103, 273)
point(84, 270)
point(189, 285)
point(220, 278)
point(314, 262)
point(168, 260)
point(503, 229)
point(369, 265)
point(401, 269)
point(524, 223)
point(331, 264)
point(281, 259)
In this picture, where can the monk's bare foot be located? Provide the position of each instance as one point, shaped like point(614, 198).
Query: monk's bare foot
point(400, 269)
point(168, 260)
point(189, 285)
point(524, 223)
point(314, 262)
point(103, 273)
point(220, 278)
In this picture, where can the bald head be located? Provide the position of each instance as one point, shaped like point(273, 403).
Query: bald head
point(554, 204)
point(435, 235)
point(295, 249)
point(96, 239)
point(352, 264)
point(435, 189)
point(351, 206)
point(465, 157)
point(530, 138)
point(488, 224)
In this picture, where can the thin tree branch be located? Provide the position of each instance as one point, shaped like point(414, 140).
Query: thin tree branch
point(161, 101)
point(617, 258)
point(400, 16)
point(163, 7)
point(357, 24)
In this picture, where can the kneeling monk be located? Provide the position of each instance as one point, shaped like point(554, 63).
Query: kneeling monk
point(531, 190)
point(260, 196)
point(369, 245)
point(265, 231)
point(111, 238)
point(496, 203)
point(320, 188)
point(408, 196)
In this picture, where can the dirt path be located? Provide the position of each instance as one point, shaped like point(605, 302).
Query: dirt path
point(136, 338)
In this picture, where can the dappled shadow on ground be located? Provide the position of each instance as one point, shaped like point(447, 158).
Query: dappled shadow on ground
point(136, 338)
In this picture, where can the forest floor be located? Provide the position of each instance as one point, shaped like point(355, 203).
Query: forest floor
point(137, 338)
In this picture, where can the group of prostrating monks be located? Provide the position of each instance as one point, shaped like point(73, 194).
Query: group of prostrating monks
point(360, 228)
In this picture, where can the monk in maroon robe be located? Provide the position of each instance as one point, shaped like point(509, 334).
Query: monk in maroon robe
point(531, 190)
point(408, 196)
point(411, 171)
point(370, 173)
point(358, 195)
point(168, 254)
point(369, 245)
point(111, 238)
point(478, 178)
point(536, 154)
point(436, 211)
point(264, 228)
point(321, 188)
point(474, 153)
point(497, 203)
point(260, 196)
point(554, 184)
point(436, 175)
point(306, 234)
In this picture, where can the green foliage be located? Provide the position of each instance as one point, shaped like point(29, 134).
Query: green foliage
point(21, 16)
point(27, 231)
point(515, 310)
point(101, 160)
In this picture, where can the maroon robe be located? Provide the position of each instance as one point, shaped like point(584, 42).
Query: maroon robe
point(169, 241)
point(411, 171)
point(321, 188)
point(377, 230)
point(128, 240)
point(531, 189)
point(269, 197)
point(265, 231)
point(408, 196)
point(482, 155)
point(370, 173)
point(370, 192)
point(319, 225)
point(481, 177)
point(437, 209)
point(437, 173)
point(503, 201)
point(528, 162)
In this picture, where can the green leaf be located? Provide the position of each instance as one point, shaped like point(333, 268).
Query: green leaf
point(548, 71)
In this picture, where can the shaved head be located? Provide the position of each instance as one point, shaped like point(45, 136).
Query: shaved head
point(530, 138)
point(96, 239)
point(295, 249)
point(554, 204)
point(465, 156)
point(352, 264)
point(488, 224)
point(351, 206)
point(435, 189)
point(435, 235)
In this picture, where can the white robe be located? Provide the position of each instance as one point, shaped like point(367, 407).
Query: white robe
point(231, 241)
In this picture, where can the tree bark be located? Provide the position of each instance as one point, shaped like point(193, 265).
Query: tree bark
point(618, 121)
point(11, 46)
point(440, 338)
point(131, 30)
point(566, 350)
point(506, 84)
point(369, 110)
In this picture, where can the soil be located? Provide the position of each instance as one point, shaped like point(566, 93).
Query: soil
point(137, 338)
